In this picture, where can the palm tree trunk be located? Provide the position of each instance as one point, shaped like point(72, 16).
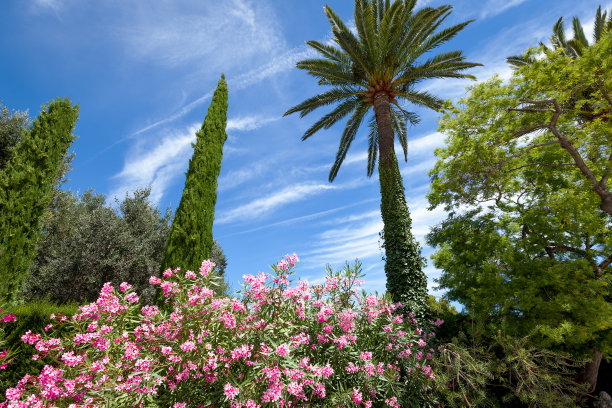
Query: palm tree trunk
point(406, 281)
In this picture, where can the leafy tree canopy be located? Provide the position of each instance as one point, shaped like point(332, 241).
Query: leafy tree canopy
point(87, 243)
point(525, 178)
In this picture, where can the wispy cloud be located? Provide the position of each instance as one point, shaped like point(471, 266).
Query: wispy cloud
point(495, 7)
point(284, 62)
point(53, 5)
point(264, 205)
point(237, 177)
point(246, 123)
point(223, 34)
point(308, 217)
point(357, 235)
point(158, 165)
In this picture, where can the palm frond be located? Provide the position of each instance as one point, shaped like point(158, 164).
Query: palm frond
point(346, 39)
point(558, 37)
point(419, 27)
point(598, 27)
point(332, 117)
point(517, 61)
point(574, 48)
point(328, 72)
point(579, 32)
point(347, 138)
point(333, 53)
point(326, 98)
point(421, 98)
point(445, 65)
point(364, 21)
point(439, 38)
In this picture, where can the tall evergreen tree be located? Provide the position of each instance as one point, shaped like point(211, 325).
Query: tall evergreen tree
point(26, 188)
point(191, 240)
point(378, 68)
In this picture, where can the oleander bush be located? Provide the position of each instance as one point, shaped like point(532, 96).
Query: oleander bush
point(276, 344)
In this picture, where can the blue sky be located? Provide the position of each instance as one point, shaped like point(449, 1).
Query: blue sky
point(143, 73)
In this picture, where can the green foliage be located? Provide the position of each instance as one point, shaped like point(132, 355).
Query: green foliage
point(26, 187)
point(504, 371)
point(35, 317)
point(525, 178)
point(191, 241)
point(11, 126)
point(378, 68)
point(86, 243)
point(404, 264)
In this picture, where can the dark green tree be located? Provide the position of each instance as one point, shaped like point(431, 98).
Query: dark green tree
point(87, 243)
point(379, 68)
point(191, 241)
point(26, 188)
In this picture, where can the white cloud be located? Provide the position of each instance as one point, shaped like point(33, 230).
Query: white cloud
point(237, 177)
point(263, 206)
point(245, 123)
point(356, 236)
point(54, 5)
point(495, 7)
point(156, 166)
point(307, 217)
point(220, 34)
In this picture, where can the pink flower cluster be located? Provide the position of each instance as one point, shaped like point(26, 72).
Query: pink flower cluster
point(275, 344)
point(5, 355)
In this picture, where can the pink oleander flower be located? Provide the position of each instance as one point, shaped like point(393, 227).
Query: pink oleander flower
point(357, 396)
point(282, 350)
point(206, 267)
point(124, 286)
point(154, 280)
point(230, 391)
point(366, 355)
point(188, 346)
point(9, 318)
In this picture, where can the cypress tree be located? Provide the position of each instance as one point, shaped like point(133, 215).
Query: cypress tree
point(26, 188)
point(191, 240)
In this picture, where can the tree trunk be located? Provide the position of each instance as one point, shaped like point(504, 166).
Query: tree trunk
point(406, 281)
point(589, 373)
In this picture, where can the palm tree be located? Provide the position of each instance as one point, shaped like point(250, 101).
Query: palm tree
point(378, 67)
point(575, 46)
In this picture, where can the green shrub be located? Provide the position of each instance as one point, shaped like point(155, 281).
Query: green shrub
point(35, 317)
